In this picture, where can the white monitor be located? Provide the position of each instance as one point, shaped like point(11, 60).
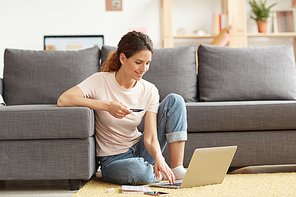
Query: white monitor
point(72, 42)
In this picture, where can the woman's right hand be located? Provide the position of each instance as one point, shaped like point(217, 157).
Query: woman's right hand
point(118, 109)
point(75, 97)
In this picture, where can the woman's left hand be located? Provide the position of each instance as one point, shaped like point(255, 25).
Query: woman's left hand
point(161, 166)
point(152, 145)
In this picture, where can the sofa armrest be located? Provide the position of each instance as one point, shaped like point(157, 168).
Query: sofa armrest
point(27, 122)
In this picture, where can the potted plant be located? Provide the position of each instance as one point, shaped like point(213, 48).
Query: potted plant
point(260, 14)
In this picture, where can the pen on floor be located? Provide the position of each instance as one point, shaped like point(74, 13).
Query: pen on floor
point(110, 190)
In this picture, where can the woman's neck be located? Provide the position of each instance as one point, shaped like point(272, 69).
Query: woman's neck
point(124, 81)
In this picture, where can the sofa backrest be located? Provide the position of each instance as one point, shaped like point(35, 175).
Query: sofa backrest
point(172, 70)
point(245, 74)
point(40, 77)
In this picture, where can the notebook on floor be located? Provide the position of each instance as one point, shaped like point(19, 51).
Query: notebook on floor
point(207, 166)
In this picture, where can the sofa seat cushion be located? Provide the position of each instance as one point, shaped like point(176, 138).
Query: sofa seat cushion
point(241, 116)
point(245, 74)
point(45, 122)
point(47, 159)
point(172, 70)
point(40, 77)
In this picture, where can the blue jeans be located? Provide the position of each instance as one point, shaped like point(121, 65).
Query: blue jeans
point(135, 167)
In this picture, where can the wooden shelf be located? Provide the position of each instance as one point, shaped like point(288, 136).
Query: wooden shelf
point(193, 36)
point(283, 34)
point(280, 35)
point(235, 12)
point(233, 17)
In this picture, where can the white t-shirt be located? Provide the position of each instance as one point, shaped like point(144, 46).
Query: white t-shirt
point(113, 135)
point(2, 103)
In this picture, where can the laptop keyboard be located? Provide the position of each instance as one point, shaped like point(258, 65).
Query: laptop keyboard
point(175, 184)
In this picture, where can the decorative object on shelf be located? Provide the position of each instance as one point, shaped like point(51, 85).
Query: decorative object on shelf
point(113, 5)
point(262, 26)
point(181, 31)
point(260, 14)
point(222, 39)
point(139, 29)
point(199, 32)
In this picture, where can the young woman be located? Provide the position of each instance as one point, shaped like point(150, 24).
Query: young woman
point(127, 156)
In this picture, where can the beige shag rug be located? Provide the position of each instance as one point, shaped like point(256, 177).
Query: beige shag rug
point(277, 184)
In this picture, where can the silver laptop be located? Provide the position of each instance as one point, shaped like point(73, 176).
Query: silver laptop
point(207, 166)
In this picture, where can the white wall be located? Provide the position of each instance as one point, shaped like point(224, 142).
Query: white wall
point(23, 23)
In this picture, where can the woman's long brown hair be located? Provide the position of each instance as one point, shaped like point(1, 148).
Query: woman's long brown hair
point(130, 44)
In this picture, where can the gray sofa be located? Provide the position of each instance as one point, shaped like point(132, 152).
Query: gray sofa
point(241, 96)
point(244, 97)
point(38, 140)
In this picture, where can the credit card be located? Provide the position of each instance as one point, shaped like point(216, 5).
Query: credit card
point(136, 110)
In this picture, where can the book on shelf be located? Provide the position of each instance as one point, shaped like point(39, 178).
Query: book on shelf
point(219, 23)
point(284, 20)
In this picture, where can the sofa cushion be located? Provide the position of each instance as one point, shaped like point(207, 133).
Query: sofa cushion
point(105, 51)
point(47, 159)
point(261, 73)
point(241, 116)
point(24, 122)
point(254, 148)
point(172, 70)
point(40, 77)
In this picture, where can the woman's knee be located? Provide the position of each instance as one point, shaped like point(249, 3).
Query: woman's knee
point(175, 99)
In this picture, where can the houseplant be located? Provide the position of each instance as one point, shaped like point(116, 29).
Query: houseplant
point(260, 13)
